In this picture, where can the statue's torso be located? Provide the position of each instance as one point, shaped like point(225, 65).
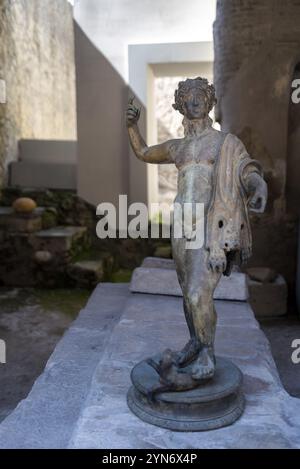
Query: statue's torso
point(195, 159)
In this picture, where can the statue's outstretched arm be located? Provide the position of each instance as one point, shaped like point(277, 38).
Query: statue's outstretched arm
point(154, 154)
point(258, 192)
point(254, 184)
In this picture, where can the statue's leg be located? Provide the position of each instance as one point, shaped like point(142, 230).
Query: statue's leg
point(179, 256)
point(192, 348)
point(200, 283)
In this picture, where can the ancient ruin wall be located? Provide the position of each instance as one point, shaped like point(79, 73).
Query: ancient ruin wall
point(243, 29)
point(257, 46)
point(37, 63)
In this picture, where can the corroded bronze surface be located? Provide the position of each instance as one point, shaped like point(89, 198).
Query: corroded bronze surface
point(216, 403)
point(215, 170)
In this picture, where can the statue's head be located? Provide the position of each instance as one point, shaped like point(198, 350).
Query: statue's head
point(194, 98)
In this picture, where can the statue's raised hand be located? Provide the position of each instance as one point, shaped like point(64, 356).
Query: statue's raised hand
point(132, 113)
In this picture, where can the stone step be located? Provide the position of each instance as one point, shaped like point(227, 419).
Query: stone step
point(267, 298)
point(60, 239)
point(157, 262)
point(43, 175)
point(158, 276)
point(40, 258)
point(87, 273)
point(48, 151)
point(10, 220)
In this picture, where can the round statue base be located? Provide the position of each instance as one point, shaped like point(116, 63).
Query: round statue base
point(215, 403)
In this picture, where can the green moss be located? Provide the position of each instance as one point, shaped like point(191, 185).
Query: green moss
point(68, 301)
point(49, 218)
point(121, 276)
point(164, 251)
point(88, 254)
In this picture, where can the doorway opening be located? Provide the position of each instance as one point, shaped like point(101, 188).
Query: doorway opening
point(168, 126)
point(167, 123)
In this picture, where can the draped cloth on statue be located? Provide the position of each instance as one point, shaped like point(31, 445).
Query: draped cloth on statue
point(227, 224)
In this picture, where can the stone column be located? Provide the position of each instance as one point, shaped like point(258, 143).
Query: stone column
point(257, 47)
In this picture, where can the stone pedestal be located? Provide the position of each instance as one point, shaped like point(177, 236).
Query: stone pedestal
point(216, 403)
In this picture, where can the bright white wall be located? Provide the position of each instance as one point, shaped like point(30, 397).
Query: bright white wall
point(112, 25)
point(169, 32)
point(145, 62)
point(178, 59)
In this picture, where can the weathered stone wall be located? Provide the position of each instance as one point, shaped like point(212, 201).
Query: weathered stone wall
point(37, 63)
point(28, 260)
point(257, 46)
point(102, 96)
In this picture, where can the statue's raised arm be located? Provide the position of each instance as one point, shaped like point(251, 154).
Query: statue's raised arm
point(155, 154)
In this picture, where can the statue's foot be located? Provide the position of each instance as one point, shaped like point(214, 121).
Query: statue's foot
point(189, 352)
point(204, 366)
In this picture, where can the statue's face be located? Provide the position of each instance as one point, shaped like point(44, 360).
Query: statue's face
point(195, 104)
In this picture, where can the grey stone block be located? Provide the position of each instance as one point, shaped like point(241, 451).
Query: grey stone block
point(48, 151)
point(158, 262)
point(153, 322)
point(268, 299)
point(86, 273)
point(262, 274)
point(58, 239)
point(43, 175)
point(162, 281)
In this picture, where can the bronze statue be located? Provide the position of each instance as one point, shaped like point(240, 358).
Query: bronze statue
point(214, 169)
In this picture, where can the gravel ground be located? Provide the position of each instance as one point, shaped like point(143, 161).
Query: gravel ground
point(31, 323)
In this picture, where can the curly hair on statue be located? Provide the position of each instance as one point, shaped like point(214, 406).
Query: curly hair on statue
point(198, 83)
